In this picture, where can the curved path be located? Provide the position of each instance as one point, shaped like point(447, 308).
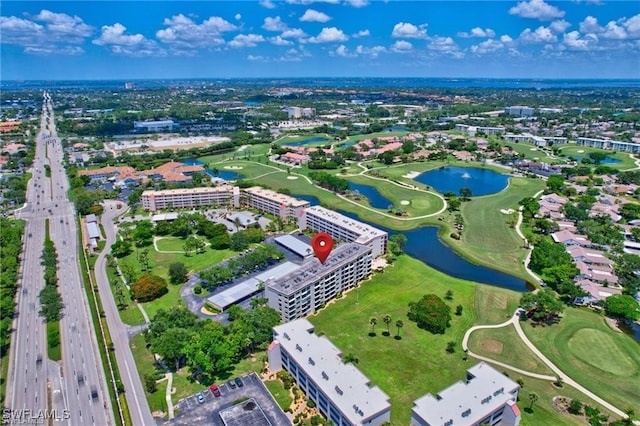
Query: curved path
point(515, 320)
point(521, 235)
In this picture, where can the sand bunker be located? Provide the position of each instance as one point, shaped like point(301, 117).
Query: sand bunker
point(292, 177)
point(510, 211)
point(534, 149)
point(580, 151)
point(405, 202)
point(233, 167)
point(412, 175)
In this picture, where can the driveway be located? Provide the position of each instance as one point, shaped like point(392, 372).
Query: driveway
point(191, 412)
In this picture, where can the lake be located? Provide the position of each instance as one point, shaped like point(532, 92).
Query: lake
point(376, 200)
point(607, 160)
point(301, 142)
point(222, 173)
point(451, 179)
point(423, 244)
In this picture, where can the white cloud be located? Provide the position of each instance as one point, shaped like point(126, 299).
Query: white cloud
point(478, 32)
point(329, 35)
point(183, 32)
point(540, 35)
point(311, 15)
point(238, 17)
point(487, 46)
point(20, 31)
point(573, 41)
point(357, 3)
point(343, 51)
point(408, 30)
point(559, 26)
point(623, 29)
point(360, 50)
point(274, 24)
point(506, 39)
point(246, 40)
point(306, 2)
point(536, 9)
point(590, 25)
point(55, 50)
point(268, 4)
point(63, 27)
point(257, 58)
point(279, 41)
point(442, 44)
point(294, 33)
point(114, 38)
point(614, 31)
point(361, 33)
point(632, 25)
point(401, 46)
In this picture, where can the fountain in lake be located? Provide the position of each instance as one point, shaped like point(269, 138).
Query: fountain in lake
point(466, 175)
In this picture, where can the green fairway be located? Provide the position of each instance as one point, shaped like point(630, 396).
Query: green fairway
point(602, 360)
point(403, 368)
point(326, 139)
point(572, 150)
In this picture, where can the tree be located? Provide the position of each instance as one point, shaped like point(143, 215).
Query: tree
point(396, 244)
point(143, 258)
point(238, 242)
point(465, 193)
point(542, 306)
point(121, 248)
point(454, 204)
point(149, 287)
point(399, 325)
point(575, 407)
point(622, 305)
point(171, 345)
point(533, 397)
point(459, 310)
point(555, 183)
point(150, 383)
point(630, 211)
point(387, 320)
point(430, 313)
point(177, 273)
point(451, 347)
point(373, 322)
point(449, 295)
point(350, 357)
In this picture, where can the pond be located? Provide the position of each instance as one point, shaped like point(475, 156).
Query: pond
point(451, 179)
point(607, 160)
point(423, 244)
point(221, 172)
point(376, 200)
point(315, 139)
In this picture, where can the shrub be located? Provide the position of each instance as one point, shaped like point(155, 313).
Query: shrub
point(311, 404)
point(197, 289)
point(430, 313)
point(149, 287)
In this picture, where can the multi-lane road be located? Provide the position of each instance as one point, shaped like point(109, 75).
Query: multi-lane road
point(76, 387)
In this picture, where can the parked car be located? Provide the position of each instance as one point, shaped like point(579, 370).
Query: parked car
point(231, 384)
point(239, 382)
point(200, 397)
point(215, 390)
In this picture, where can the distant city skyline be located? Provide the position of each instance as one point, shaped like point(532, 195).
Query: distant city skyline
point(129, 40)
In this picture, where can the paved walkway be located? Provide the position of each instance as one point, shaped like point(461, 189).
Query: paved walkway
point(521, 235)
point(515, 320)
point(167, 395)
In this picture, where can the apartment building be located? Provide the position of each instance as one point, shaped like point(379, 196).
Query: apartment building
point(344, 228)
point(266, 200)
point(183, 198)
point(519, 110)
point(340, 391)
point(609, 144)
point(308, 288)
point(485, 397)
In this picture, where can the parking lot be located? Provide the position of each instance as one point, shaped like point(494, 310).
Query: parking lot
point(192, 412)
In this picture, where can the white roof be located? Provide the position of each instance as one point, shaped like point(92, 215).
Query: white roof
point(295, 245)
point(93, 230)
point(349, 390)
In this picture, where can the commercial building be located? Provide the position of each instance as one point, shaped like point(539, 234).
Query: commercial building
point(223, 195)
point(308, 288)
point(340, 391)
point(344, 228)
point(485, 397)
point(275, 203)
point(154, 126)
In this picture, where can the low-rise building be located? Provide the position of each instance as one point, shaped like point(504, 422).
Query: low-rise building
point(307, 289)
point(275, 203)
point(344, 228)
point(486, 396)
point(182, 198)
point(340, 391)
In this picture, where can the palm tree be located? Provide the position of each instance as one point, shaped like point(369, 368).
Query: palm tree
point(399, 325)
point(533, 397)
point(373, 322)
point(387, 320)
point(350, 357)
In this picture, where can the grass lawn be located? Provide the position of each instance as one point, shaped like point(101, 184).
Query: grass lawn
point(589, 351)
point(131, 314)
point(402, 368)
point(253, 151)
point(531, 152)
point(172, 243)
point(487, 238)
point(571, 150)
point(145, 365)
point(495, 305)
point(53, 351)
point(279, 393)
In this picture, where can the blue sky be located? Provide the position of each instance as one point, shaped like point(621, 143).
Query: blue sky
point(329, 38)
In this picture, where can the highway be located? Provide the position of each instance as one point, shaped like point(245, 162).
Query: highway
point(77, 385)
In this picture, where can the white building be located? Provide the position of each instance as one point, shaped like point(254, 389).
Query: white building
point(526, 137)
point(486, 396)
point(473, 130)
point(154, 126)
point(609, 144)
point(275, 203)
point(340, 391)
point(222, 195)
point(306, 289)
point(519, 110)
point(298, 112)
point(343, 228)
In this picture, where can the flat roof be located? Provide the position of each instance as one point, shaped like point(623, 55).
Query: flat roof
point(248, 287)
point(164, 216)
point(93, 230)
point(344, 384)
point(199, 190)
point(311, 268)
point(468, 402)
point(91, 218)
point(366, 231)
point(246, 413)
point(287, 200)
point(245, 219)
point(295, 245)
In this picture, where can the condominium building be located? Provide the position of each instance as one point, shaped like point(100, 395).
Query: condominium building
point(340, 391)
point(275, 203)
point(305, 290)
point(526, 137)
point(223, 195)
point(344, 228)
point(519, 110)
point(610, 144)
point(485, 397)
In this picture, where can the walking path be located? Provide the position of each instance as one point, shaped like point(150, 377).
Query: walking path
point(515, 320)
point(530, 246)
point(167, 394)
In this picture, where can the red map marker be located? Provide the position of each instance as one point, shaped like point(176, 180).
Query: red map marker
point(322, 244)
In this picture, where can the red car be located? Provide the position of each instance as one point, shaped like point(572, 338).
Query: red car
point(215, 390)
